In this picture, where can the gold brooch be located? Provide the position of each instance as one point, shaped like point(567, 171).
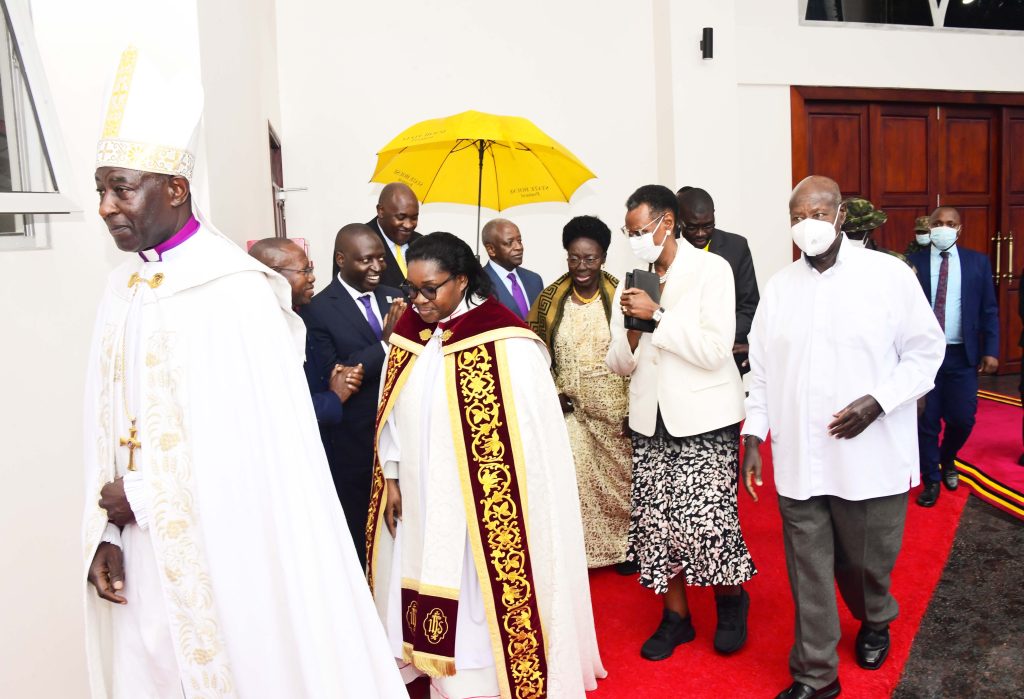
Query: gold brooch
point(425, 334)
point(446, 335)
point(153, 283)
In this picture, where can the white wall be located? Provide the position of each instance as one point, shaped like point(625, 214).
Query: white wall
point(48, 298)
point(339, 80)
point(354, 75)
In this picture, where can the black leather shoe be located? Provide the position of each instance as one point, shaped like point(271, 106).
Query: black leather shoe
point(872, 647)
point(672, 631)
point(929, 494)
point(799, 690)
point(950, 477)
point(731, 632)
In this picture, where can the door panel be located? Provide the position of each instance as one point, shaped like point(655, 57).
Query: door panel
point(1011, 253)
point(837, 137)
point(902, 163)
point(978, 228)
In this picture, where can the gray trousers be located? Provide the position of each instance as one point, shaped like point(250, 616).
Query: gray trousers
point(854, 543)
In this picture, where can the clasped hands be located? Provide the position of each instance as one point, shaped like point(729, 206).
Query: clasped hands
point(106, 572)
point(345, 380)
point(846, 424)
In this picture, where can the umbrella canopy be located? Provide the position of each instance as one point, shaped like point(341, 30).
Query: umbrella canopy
point(483, 159)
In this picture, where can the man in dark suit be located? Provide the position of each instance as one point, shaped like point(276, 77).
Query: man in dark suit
point(329, 392)
point(350, 323)
point(398, 212)
point(514, 285)
point(958, 282)
point(697, 220)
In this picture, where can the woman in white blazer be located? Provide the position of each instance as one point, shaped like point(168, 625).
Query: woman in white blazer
point(685, 406)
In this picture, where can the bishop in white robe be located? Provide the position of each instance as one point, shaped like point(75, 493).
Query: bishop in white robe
point(239, 575)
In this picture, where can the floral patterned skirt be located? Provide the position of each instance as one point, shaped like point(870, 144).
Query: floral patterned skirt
point(684, 510)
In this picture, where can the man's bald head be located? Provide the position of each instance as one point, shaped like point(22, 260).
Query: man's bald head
point(819, 189)
point(503, 242)
point(398, 212)
point(359, 256)
point(695, 200)
point(272, 251)
point(289, 259)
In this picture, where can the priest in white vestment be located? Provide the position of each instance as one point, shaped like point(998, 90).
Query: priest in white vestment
point(475, 542)
point(217, 556)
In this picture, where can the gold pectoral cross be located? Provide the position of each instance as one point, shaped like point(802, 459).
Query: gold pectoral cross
point(132, 443)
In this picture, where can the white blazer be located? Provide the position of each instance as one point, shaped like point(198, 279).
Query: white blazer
point(686, 365)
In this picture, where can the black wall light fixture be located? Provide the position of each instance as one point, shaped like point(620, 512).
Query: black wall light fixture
point(707, 43)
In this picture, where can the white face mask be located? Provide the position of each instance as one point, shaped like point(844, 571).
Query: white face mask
point(643, 245)
point(923, 239)
point(944, 237)
point(814, 236)
point(858, 242)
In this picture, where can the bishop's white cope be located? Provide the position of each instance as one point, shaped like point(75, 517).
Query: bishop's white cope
point(241, 577)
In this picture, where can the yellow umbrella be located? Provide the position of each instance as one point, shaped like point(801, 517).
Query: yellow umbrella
point(483, 159)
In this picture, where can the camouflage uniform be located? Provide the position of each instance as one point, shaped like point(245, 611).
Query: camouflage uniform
point(862, 218)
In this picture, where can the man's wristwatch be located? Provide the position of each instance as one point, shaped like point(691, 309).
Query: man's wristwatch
point(656, 316)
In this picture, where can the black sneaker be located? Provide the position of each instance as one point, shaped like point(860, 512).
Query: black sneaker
point(731, 632)
point(672, 631)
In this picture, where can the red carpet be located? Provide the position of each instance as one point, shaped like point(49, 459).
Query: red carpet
point(988, 462)
point(627, 614)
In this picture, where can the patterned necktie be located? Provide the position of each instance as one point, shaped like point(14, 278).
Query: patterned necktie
point(370, 317)
point(400, 259)
point(518, 295)
point(940, 291)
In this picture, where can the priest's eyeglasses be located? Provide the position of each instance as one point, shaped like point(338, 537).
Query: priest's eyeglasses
point(429, 292)
point(308, 271)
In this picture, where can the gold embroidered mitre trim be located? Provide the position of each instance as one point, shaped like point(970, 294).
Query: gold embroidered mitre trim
point(166, 160)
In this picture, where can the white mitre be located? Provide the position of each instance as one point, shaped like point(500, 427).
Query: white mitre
point(152, 119)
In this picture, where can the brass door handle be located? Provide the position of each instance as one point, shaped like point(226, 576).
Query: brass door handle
point(998, 240)
point(1009, 261)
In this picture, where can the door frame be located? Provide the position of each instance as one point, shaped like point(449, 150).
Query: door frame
point(1007, 288)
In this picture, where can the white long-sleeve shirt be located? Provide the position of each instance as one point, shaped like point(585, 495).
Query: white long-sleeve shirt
point(819, 342)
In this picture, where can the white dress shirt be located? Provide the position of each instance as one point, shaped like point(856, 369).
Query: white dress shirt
point(356, 294)
point(819, 342)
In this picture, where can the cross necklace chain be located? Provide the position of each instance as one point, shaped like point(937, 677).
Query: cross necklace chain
point(132, 440)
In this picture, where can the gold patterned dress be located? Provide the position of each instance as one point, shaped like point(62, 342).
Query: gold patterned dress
point(601, 401)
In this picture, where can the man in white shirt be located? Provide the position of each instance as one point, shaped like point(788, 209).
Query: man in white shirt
point(514, 286)
point(350, 323)
point(841, 348)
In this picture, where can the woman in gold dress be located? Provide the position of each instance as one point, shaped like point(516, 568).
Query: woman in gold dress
point(571, 317)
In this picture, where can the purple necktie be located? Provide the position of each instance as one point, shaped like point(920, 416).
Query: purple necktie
point(940, 290)
point(518, 295)
point(371, 318)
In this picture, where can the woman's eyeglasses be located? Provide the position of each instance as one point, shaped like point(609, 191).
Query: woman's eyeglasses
point(429, 292)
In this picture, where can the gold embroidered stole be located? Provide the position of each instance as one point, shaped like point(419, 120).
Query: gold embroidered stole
point(492, 470)
point(489, 455)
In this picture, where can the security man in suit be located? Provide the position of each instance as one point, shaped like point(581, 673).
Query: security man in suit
point(959, 284)
point(398, 212)
point(697, 221)
point(515, 286)
point(350, 323)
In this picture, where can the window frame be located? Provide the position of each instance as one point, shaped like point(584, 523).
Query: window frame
point(37, 205)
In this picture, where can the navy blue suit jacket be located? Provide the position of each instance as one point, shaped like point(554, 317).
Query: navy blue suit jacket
point(978, 310)
point(326, 404)
point(337, 333)
point(532, 286)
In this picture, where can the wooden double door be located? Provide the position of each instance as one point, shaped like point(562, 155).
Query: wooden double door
point(910, 151)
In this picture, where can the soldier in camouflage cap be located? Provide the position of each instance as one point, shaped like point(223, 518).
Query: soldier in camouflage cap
point(922, 235)
point(861, 219)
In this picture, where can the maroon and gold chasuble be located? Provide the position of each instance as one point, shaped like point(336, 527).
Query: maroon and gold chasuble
point(492, 476)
